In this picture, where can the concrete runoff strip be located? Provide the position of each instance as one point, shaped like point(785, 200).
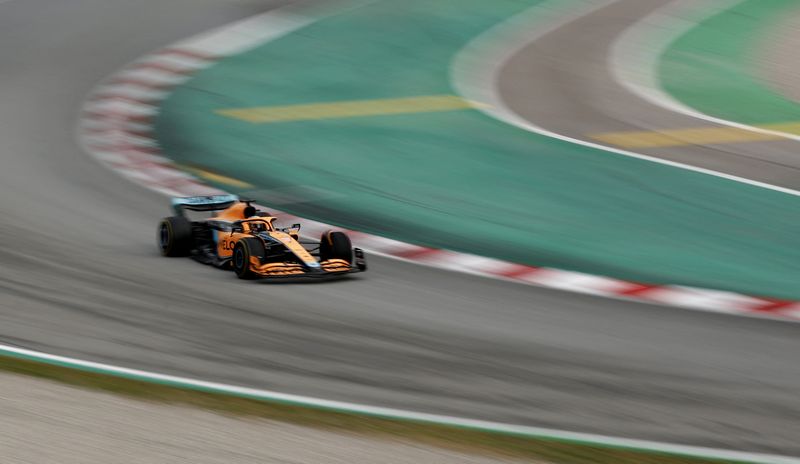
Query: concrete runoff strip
point(44, 421)
point(397, 414)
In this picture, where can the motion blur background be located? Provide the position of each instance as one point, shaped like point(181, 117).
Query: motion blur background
point(580, 217)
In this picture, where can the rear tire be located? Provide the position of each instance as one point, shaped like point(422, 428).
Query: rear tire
point(242, 252)
point(175, 236)
point(335, 245)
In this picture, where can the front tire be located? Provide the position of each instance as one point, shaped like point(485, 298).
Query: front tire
point(242, 252)
point(175, 236)
point(335, 245)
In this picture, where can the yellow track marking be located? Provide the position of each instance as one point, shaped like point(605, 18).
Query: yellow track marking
point(349, 109)
point(214, 177)
point(693, 136)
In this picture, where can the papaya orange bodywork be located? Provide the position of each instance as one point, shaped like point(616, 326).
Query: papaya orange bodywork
point(226, 241)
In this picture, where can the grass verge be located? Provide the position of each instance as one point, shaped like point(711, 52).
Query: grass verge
point(463, 440)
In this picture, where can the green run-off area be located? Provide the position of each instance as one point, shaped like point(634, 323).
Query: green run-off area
point(715, 68)
point(460, 179)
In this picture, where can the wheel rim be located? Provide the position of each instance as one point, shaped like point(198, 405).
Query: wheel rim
point(163, 237)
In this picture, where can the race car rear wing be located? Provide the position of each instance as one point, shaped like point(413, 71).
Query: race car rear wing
point(203, 203)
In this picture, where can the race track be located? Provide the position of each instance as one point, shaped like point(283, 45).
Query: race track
point(81, 277)
point(569, 88)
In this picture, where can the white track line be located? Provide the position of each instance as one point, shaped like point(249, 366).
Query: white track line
point(475, 69)
point(398, 414)
point(636, 53)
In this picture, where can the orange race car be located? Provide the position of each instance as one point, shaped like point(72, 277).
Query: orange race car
point(238, 236)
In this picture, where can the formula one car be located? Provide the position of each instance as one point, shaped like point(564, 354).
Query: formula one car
point(239, 236)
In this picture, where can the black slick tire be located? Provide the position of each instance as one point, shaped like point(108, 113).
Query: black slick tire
point(335, 245)
point(242, 252)
point(175, 236)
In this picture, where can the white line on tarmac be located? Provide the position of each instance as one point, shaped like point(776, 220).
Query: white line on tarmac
point(398, 414)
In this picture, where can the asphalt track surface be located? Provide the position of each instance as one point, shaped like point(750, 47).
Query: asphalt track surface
point(81, 277)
